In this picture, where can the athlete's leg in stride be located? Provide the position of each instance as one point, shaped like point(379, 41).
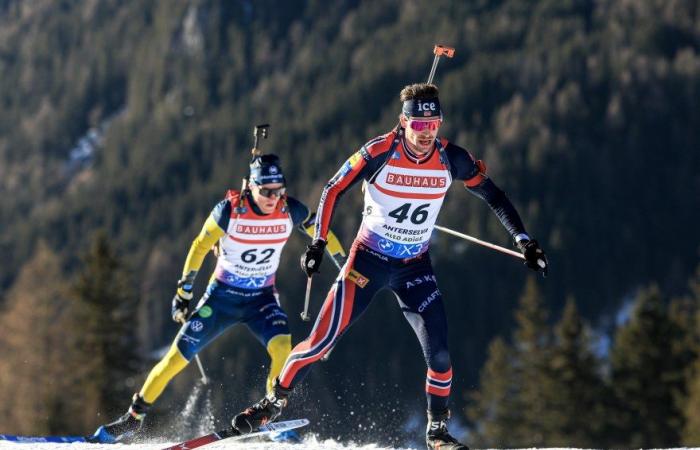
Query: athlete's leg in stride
point(206, 323)
point(278, 348)
point(348, 298)
point(172, 363)
point(270, 325)
point(422, 305)
point(359, 280)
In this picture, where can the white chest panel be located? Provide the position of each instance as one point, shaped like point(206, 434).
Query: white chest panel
point(250, 251)
point(401, 207)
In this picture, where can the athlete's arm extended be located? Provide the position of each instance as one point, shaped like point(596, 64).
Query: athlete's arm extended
point(214, 228)
point(360, 166)
point(306, 223)
point(473, 173)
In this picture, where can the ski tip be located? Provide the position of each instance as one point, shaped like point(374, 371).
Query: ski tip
point(42, 439)
point(289, 436)
point(100, 436)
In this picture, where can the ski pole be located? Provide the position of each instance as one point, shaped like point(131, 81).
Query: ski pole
point(305, 314)
point(439, 50)
point(480, 242)
point(327, 356)
point(205, 380)
point(337, 264)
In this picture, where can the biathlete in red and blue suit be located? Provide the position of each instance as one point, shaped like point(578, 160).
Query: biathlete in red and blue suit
point(405, 174)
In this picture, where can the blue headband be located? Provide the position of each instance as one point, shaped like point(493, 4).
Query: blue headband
point(266, 169)
point(427, 107)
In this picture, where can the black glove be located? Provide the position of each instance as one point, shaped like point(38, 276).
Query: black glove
point(535, 258)
point(311, 259)
point(181, 302)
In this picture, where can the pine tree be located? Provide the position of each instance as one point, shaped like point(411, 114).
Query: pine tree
point(574, 390)
point(691, 408)
point(510, 404)
point(645, 376)
point(532, 345)
point(495, 408)
point(106, 307)
point(40, 386)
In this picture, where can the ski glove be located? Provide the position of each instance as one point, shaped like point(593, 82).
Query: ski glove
point(535, 258)
point(311, 259)
point(181, 302)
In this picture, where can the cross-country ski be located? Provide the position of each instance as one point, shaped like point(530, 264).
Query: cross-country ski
point(231, 434)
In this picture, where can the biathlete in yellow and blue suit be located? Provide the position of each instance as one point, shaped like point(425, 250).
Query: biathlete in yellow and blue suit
point(249, 230)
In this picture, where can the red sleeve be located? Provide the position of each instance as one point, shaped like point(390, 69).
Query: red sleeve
point(361, 165)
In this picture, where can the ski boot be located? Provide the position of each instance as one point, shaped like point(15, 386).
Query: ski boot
point(266, 410)
point(124, 427)
point(436, 435)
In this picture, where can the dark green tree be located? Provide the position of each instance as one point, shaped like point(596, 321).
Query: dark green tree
point(574, 390)
point(510, 405)
point(691, 408)
point(41, 383)
point(532, 343)
point(106, 308)
point(495, 407)
point(645, 376)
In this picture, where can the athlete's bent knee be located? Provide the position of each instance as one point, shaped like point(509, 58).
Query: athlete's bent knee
point(279, 347)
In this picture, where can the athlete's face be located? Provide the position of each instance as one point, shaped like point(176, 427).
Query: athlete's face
point(266, 196)
point(421, 133)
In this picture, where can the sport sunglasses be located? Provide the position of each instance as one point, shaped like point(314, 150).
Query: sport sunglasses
point(278, 192)
point(420, 125)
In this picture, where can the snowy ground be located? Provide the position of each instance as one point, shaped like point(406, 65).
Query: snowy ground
point(306, 445)
point(309, 443)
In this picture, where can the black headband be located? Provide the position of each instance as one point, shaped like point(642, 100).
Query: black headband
point(427, 107)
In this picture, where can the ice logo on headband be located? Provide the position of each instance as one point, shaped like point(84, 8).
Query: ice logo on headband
point(426, 107)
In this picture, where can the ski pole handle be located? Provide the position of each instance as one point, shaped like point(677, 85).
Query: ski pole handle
point(480, 242)
point(305, 313)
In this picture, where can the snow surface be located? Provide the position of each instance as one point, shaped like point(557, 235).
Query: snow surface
point(308, 443)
